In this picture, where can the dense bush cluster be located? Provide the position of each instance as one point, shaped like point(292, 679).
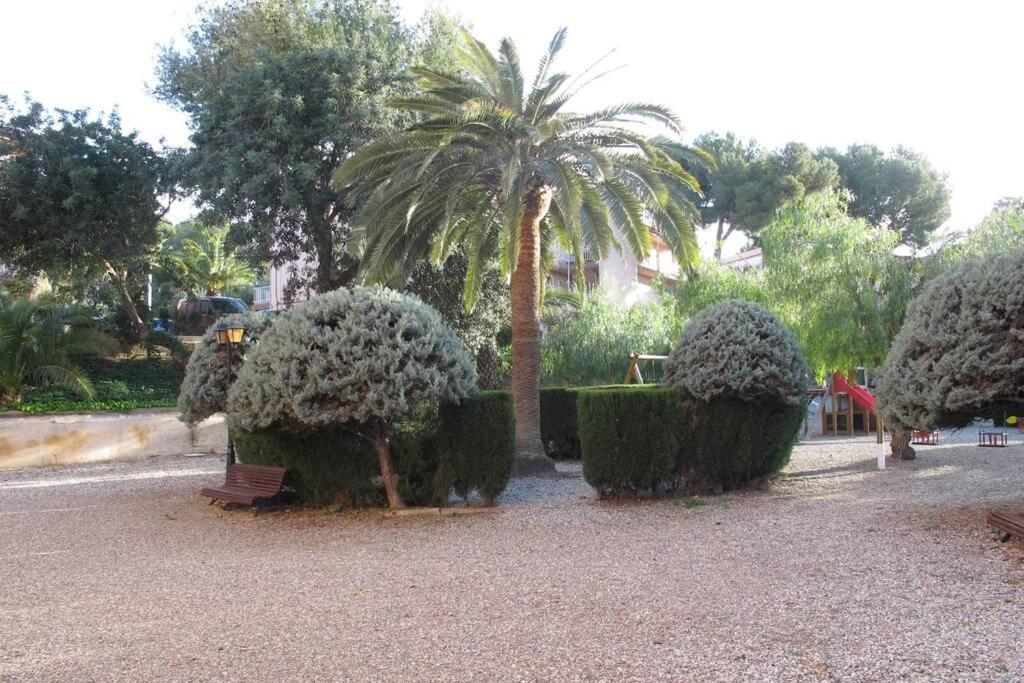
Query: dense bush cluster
point(636, 439)
point(204, 389)
point(738, 349)
point(349, 357)
point(558, 428)
point(466, 446)
point(960, 352)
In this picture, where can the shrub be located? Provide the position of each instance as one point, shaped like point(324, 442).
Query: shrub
point(558, 428)
point(204, 389)
point(629, 437)
point(727, 442)
point(737, 349)
point(960, 352)
point(359, 358)
point(476, 440)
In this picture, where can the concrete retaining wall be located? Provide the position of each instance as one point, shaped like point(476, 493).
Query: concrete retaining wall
point(71, 438)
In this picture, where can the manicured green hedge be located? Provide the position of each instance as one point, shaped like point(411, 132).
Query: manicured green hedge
point(727, 442)
point(629, 438)
point(639, 439)
point(476, 440)
point(468, 446)
point(558, 428)
point(62, 406)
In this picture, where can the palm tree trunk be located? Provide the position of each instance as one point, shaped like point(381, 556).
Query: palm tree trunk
point(525, 291)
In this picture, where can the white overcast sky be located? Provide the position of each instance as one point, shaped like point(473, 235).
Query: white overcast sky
point(942, 78)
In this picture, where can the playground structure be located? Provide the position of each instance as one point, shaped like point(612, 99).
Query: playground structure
point(847, 408)
point(633, 374)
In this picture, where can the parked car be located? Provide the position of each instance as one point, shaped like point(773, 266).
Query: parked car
point(194, 316)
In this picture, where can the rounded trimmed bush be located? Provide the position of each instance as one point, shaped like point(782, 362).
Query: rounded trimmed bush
point(205, 386)
point(360, 359)
point(738, 349)
point(960, 352)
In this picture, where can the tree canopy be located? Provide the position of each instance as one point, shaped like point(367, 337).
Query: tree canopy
point(900, 191)
point(279, 94)
point(78, 195)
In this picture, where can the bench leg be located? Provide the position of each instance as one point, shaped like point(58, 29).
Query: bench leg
point(212, 501)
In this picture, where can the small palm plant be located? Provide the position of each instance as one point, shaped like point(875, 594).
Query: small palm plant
point(38, 340)
point(505, 171)
point(198, 257)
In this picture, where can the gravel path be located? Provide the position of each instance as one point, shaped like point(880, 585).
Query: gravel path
point(837, 572)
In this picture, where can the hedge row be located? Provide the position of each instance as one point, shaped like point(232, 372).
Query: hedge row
point(466, 446)
point(651, 438)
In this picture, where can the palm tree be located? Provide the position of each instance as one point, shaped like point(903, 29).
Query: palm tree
point(506, 172)
point(197, 257)
point(37, 341)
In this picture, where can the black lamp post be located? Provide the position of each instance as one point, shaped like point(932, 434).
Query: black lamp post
point(230, 335)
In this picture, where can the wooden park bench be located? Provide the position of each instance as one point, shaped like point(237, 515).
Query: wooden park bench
point(1008, 523)
point(248, 485)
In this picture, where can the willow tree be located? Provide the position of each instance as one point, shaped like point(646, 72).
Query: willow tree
point(505, 170)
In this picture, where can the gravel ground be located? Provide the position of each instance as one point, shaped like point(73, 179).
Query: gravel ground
point(836, 572)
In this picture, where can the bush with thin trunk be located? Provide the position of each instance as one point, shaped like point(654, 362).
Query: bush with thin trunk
point(205, 386)
point(960, 352)
point(359, 359)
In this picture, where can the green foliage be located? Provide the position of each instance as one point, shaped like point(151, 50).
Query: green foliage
point(78, 196)
point(279, 93)
point(1001, 230)
point(728, 442)
point(204, 388)
point(960, 353)
point(442, 287)
point(39, 344)
point(900, 191)
point(476, 441)
point(196, 257)
point(63, 406)
point(832, 279)
point(629, 437)
point(558, 426)
point(750, 185)
point(360, 358)
point(591, 344)
point(737, 349)
point(488, 143)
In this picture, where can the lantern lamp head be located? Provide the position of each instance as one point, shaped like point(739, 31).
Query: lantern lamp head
point(236, 333)
point(222, 332)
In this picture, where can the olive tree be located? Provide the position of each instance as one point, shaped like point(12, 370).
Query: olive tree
point(356, 358)
point(960, 353)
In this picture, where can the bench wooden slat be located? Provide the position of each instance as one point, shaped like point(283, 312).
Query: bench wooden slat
point(248, 484)
point(1007, 522)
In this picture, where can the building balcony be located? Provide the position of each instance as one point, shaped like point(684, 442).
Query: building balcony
point(261, 297)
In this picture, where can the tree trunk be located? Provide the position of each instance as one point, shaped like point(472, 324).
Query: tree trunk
point(719, 238)
point(525, 291)
point(382, 446)
point(121, 280)
point(324, 257)
point(488, 367)
point(900, 444)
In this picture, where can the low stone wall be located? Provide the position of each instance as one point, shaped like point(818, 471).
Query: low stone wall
point(71, 438)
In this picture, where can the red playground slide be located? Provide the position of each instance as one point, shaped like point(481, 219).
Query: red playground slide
point(859, 393)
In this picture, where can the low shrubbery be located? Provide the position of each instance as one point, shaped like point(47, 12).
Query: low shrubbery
point(630, 438)
point(558, 429)
point(476, 443)
point(731, 416)
point(467, 446)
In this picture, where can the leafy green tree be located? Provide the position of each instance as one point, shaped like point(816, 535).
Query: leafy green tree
point(831, 278)
point(279, 93)
point(1001, 230)
point(79, 197)
point(38, 341)
point(499, 167)
point(749, 186)
point(900, 191)
point(197, 258)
